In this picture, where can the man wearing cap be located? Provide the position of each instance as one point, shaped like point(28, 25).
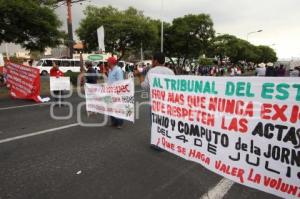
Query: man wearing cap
point(270, 71)
point(115, 74)
point(261, 70)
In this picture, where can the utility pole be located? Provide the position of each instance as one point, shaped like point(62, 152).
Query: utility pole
point(162, 28)
point(70, 29)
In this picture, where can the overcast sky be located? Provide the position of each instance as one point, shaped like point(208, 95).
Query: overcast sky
point(279, 19)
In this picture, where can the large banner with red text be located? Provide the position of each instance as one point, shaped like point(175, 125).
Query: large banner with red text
point(246, 129)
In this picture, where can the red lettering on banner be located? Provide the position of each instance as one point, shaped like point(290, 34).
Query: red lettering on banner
point(158, 94)
point(277, 112)
point(168, 145)
point(231, 106)
point(200, 156)
point(295, 115)
point(230, 170)
point(278, 184)
point(235, 124)
point(176, 98)
point(256, 178)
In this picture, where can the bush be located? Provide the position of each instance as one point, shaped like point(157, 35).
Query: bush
point(73, 77)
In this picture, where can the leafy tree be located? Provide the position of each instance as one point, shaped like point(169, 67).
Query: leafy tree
point(266, 54)
point(29, 23)
point(224, 46)
point(240, 50)
point(124, 30)
point(205, 61)
point(188, 37)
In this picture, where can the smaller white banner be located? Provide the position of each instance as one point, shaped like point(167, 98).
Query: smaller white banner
point(60, 83)
point(115, 99)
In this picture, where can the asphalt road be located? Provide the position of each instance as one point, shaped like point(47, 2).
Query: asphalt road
point(95, 162)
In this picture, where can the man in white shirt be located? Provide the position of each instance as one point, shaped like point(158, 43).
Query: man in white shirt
point(158, 67)
point(261, 70)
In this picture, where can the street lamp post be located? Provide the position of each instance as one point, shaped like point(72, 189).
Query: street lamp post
point(249, 33)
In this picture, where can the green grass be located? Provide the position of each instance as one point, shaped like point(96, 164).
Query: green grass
point(3, 92)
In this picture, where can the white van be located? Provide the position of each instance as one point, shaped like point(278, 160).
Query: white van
point(65, 65)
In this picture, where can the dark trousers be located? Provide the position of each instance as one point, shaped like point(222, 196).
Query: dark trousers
point(116, 121)
point(58, 95)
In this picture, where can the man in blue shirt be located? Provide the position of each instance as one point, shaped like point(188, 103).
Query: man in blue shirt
point(115, 74)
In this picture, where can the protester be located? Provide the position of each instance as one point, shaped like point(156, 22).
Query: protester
point(90, 75)
point(55, 72)
point(158, 67)
point(261, 70)
point(115, 74)
point(270, 71)
point(295, 72)
point(238, 71)
point(281, 71)
point(30, 62)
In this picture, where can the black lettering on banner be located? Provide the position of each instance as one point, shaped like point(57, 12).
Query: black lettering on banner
point(212, 148)
point(252, 163)
point(198, 142)
point(163, 131)
point(269, 169)
point(181, 137)
point(237, 158)
point(288, 172)
point(278, 132)
point(173, 123)
point(160, 120)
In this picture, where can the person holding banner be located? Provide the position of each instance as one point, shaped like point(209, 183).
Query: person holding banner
point(115, 74)
point(55, 72)
point(90, 75)
point(158, 67)
point(158, 61)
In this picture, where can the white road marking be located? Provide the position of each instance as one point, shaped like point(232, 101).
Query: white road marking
point(219, 191)
point(38, 133)
point(28, 105)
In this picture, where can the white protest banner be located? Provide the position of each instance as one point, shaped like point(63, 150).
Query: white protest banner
point(60, 83)
point(246, 129)
point(115, 99)
point(100, 35)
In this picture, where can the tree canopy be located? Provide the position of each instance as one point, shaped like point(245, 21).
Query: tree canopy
point(240, 50)
point(188, 37)
point(29, 23)
point(124, 30)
